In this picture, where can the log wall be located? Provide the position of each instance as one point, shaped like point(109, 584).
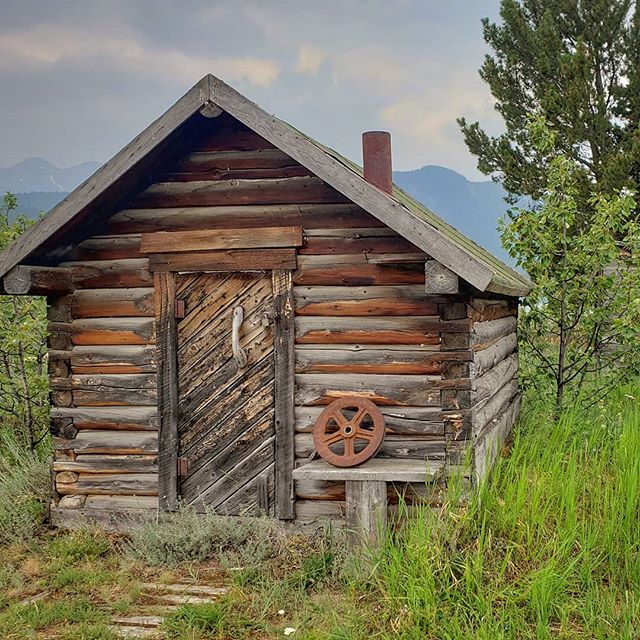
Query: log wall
point(363, 324)
point(495, 396)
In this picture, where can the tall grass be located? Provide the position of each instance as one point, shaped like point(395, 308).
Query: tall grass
point(24, 478)
point(549, 547)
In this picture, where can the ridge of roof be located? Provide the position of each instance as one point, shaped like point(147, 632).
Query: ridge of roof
point(398, 210)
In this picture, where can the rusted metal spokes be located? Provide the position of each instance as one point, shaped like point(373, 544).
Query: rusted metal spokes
point(349, 431)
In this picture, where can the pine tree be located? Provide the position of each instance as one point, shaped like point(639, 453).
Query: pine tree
point(576, 63)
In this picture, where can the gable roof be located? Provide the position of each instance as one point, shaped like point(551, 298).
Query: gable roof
point(398, 211)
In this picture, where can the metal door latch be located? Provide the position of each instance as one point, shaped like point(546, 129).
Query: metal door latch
point(183, 467)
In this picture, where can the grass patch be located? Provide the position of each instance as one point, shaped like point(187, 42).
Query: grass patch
point(208, 620)
point(549, 548)
point(79, 545)
point(24, 481)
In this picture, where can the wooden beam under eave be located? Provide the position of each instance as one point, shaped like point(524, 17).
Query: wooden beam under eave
point(439, 279)
point(38, 281)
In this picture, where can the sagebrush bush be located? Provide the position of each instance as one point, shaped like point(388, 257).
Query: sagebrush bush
point(24, 480)
point(188, 536)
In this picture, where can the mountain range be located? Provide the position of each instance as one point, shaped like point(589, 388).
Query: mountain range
point(473, 207)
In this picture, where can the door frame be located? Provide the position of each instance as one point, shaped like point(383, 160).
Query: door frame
point(167, 379)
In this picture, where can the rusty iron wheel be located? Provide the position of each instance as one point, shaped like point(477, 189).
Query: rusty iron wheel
point(349, 431)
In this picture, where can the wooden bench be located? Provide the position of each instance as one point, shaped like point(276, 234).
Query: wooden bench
point(366, 488)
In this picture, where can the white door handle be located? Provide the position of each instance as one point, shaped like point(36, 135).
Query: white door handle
point(238, 352)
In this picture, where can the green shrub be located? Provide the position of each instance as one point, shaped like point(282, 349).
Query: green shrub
point(24, 490)
point(188, 536)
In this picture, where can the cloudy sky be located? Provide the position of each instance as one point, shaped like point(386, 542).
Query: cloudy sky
point(80, 78)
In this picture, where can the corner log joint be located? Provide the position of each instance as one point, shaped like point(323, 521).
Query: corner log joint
point(38, 281)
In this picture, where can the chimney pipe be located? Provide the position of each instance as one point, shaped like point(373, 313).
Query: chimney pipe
point(376, 158)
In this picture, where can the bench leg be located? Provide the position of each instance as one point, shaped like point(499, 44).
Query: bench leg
point(366, 505)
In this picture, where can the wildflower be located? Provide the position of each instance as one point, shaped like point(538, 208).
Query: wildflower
point(288, 631)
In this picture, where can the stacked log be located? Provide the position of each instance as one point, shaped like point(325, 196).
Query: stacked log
point(495, 396)
point(103, 383)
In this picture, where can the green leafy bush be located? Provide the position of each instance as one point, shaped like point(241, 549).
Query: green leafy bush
point(24, 404)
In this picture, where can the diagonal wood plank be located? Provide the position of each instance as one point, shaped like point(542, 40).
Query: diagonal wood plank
point(226, 413)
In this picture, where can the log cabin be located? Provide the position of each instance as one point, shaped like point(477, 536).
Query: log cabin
point(345, 286)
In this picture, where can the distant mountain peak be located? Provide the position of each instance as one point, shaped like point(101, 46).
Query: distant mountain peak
point(473, 207)
point(38, 174)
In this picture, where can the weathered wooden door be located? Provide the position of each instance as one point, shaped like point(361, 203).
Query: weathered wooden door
point(225, 411)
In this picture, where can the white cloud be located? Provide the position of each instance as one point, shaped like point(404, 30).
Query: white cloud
point(48, 45)
point(309, 59)
point(373, 67)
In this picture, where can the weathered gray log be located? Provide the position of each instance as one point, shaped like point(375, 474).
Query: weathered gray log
point(36, 281)
point(439, 279)
point(220, 239)
point(494, 379)
point(113, 359)
point(110, 442)
point(139, 418)
point(484, 334)
point(394, 359)
point(107, 248)
point(394, 258)
point(113, 381)
point(394, 446)
point(308, 215)
point(417, 391)
point(488, 445)
point(493, 406)
point(399, 300)
point(139, 484)
point(482, 310)
point(98, 274)
point(353, 330)
point(111, 303)
point(233, 192)
point(319, 490)
point(311, 511)
point(488, 358)
point(114, 331)
point(400, 420)
point(107, 464)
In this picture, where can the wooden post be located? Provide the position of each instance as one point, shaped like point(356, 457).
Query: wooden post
point(366, 510)
point(283, 342)
point(167, 343)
